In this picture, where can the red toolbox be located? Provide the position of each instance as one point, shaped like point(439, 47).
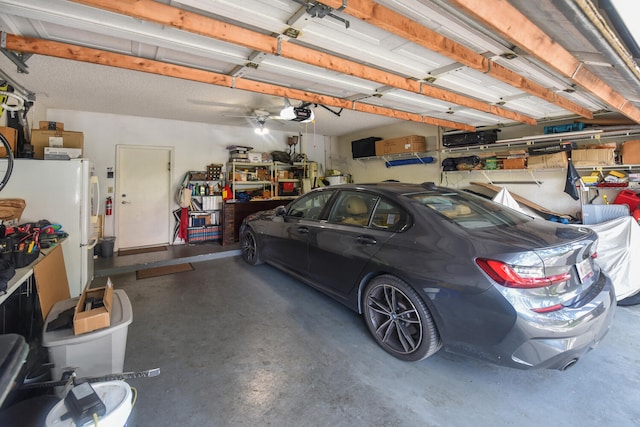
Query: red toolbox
point(629, 198)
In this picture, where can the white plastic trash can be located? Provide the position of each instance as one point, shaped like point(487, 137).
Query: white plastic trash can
point(96, 353)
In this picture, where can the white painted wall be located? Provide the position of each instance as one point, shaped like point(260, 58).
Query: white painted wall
point(195, 144)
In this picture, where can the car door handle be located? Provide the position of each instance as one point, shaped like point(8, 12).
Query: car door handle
point(303, 230)
point(366, 240)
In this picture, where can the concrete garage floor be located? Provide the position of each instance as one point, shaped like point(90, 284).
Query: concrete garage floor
point(250, 346)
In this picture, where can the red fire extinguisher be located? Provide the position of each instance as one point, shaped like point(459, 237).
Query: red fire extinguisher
point(108, 210)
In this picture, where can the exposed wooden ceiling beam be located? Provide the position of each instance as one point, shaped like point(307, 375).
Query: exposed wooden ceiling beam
point(395, 23)
point(96, 56)
point(504, 19)
point(198, 24)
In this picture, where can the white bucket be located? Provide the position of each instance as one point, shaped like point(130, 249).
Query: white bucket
point(116, 396)
point(336, 179)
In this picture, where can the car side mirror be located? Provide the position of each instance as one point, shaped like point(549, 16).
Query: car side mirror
point(281, 211)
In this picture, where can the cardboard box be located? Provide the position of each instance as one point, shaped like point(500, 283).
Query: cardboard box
point(593, 157)
point(51, 279)
point(405, 144)
point(263, 174)
point(57, 153)
point(255, 157)
point(12, 137)
point(548, 161)
point(631, 152)
point(51, 125)
point(87, 319)
point(519, 163)
point(42, 138)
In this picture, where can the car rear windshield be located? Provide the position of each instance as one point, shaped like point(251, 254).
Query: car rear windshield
point(469, 211)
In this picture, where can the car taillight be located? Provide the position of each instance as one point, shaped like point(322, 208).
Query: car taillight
point(519, 276)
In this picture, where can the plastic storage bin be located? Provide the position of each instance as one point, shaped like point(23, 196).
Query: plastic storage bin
point(96, 353)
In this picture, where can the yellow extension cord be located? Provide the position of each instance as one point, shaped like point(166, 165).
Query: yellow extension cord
point(133, 403)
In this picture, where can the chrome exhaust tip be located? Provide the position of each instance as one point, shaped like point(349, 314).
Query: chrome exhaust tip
point(569, 364)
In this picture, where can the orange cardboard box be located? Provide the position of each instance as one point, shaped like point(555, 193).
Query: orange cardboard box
point(519, 163)
point(41, 138)
point(12, 136)
point(89, 319)
point(404, 144)
point(44, 125)
point(631, 152)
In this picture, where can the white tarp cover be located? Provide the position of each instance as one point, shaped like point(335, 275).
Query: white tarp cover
point(618, 246)
point(505, 198)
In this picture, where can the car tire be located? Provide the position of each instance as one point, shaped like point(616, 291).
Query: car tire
point(249, 247)
point(628, 301)
point(399, 320)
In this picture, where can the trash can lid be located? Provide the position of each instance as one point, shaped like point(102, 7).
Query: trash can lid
point(116, 396)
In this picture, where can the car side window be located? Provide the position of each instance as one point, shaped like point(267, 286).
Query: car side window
point(389, 216)
point(353, 208)
point(309, 206)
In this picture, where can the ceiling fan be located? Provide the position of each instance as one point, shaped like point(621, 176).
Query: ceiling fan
point(301, 114)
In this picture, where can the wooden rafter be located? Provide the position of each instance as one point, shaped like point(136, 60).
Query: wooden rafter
point(387, 19)
point(198, 24)
point(502, 17)
point(96, 56)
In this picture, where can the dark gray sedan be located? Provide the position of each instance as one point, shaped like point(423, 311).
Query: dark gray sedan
point(432, 267)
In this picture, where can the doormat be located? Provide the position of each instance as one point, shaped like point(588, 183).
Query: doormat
point(163, 271)
point(142, 250)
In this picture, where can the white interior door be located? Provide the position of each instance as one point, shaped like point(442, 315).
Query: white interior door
point(142, 202)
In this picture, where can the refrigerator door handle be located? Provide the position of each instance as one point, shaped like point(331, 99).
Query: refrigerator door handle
point(96, 198)
point(92, 243)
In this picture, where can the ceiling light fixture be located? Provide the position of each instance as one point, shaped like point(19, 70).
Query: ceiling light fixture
point(261, 130)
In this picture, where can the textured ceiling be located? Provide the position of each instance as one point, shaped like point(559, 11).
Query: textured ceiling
point(380, 65)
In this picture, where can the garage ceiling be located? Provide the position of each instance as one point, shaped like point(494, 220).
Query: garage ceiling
point(459, 64)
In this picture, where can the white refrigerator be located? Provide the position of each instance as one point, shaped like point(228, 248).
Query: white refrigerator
point(64, 192)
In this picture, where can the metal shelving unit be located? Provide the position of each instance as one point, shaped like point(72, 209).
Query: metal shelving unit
point(249, 168)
